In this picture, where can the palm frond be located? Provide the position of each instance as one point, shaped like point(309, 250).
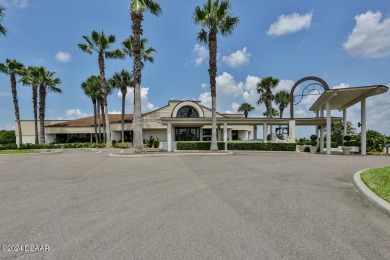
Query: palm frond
point(203, 36)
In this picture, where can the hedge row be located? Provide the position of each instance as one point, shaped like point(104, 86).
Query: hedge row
point(50, 146)
point(249, 146)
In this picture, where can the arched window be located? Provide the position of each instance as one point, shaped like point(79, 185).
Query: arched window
point(187, 112)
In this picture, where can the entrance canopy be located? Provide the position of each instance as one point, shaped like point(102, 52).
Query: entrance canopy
point(340, 99)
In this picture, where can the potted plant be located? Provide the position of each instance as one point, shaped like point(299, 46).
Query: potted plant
point(313, 144)
point(347, 145)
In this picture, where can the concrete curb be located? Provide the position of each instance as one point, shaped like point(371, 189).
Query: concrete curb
point(168, 154)
point(371, 196)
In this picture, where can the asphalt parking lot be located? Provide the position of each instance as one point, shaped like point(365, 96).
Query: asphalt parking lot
point(84, 205)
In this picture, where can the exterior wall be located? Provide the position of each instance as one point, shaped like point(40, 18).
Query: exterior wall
point(28, 130)
point(243, 135)
point(161, 134)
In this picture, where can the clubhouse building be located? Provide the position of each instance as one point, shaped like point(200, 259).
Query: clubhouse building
point(181, 121)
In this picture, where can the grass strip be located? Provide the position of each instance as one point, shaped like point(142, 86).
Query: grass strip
point(378, 180)
point(17, 151)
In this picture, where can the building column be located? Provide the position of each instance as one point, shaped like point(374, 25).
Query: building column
point(318, 128)
point(254, 132)
point(225, 135)
point(344, 122)
point(328, 128)
point(265, 130)
point(201, 134)
point(322, 132)
point(363, 127)
point(169, 137)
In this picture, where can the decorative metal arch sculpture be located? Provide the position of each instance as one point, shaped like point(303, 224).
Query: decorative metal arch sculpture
point(306, 91)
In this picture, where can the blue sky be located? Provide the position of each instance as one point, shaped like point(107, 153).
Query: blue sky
point(346, 43)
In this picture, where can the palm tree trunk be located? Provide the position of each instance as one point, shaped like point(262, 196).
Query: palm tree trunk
point(42, 105)
point(137, 66)
point(16, 105)
point(105, 104)
point(213, 85)
point(104, 123)
point(95, 119)
point(98, 120)
point(35, 108)
point(123, 115)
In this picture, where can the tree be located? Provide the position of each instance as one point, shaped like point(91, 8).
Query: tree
point(337, 132)
point(14, 68)
point(264, 88)
point(122, 81)
point(92, 88)
point(3, 31)
point(100, 43)
point(246, 108)
point(214, 16)
point(137, 9)
point(146, 54)
point(282, 98)
point(31, 78)
point(47, 83)
point(274, 112)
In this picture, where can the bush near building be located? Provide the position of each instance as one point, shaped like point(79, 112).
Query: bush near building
point(7, 137)
point(248, 146)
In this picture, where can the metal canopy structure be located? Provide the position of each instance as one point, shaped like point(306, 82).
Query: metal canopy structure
point(340, 99)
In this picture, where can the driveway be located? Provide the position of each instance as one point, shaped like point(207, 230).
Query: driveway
point(85, 205)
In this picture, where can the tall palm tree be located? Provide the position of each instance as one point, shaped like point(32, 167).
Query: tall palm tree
point(146, 54)
point(264, 88)
point(137, 9)
point(14, 68)
point(122, 81)
point(274, 113)
point(92, 88)
point(246, 108)
point(214, 15)
point(282, 99)
point(47, 83)
point(31, 78)
point(3, 31)
point(100, 43)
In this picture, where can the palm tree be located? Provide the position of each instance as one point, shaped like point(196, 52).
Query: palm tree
point(100, 43)
point(246, 108)
point(215, 16)
point(274, 113)
point(3, 31)
point(92, 88)
point(282, 98)
point(122, 81)
point(31, 78)
point(14, 68)
point(264, 88)
point(137, 9)
point(47, 83)
point(146, 54)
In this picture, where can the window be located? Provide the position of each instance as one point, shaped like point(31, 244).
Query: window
point(234, 134)
point(187, 112)
point(187, 134)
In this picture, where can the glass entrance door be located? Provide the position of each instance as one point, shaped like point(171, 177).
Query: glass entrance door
point(187, 134)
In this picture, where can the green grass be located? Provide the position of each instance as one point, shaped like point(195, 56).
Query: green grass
point(17, 151)
point(378, 180)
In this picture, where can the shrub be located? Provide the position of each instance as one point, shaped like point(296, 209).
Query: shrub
point(375, 141)
point(347, 140)
point(249, 146)
point(8, 146)
point(121, 145)
point(156, 143)
point(313, 140)
point(7, 137)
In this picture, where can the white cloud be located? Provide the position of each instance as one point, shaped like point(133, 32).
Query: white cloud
point(115, 112)
point(63, 57)
point(75, 113)
point(20, 3)
point(7, 126)
point(204, 85)
point(370, 38)
point(200, 54)
point(342, 85)
point(237, 59)
point(205, 99)
point(146, 106)
point(292, 23)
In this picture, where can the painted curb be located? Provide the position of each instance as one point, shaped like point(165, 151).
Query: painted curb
point(169, 154)
point(370, 195)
